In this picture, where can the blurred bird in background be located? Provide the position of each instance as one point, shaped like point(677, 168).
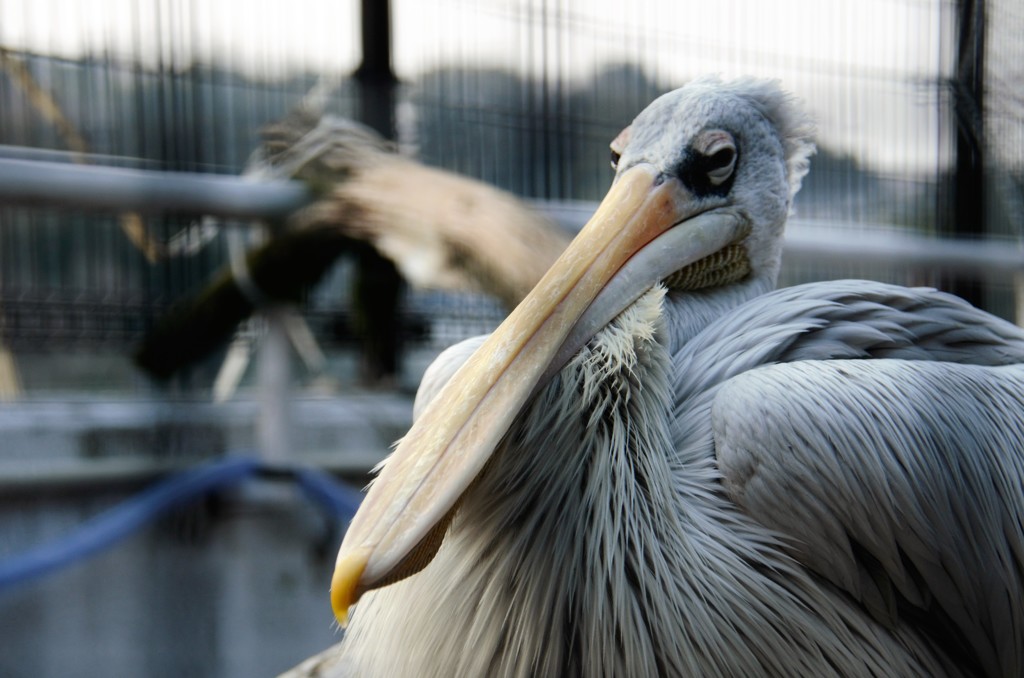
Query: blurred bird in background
point(441, 231)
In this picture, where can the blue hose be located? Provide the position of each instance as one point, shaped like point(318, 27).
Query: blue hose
point(335, 498)
point(114, 524)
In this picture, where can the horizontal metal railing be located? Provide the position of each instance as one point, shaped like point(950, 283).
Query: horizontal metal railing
point(58, 184)
point(25, 181)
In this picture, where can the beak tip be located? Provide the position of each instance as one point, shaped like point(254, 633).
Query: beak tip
point(345, 582)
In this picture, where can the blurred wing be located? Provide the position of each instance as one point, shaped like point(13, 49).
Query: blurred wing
point(441, 230)
point(898, 481)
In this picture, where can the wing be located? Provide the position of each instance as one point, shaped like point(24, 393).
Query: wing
point(899, 481)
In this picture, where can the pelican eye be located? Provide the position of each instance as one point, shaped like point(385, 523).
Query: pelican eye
point(707, 166)
point(615, 159)
point(720, 164)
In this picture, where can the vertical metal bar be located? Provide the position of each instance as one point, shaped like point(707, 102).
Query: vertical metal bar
point(375, 76)
point(274, 378)
point(378, 286)
point(968, 101)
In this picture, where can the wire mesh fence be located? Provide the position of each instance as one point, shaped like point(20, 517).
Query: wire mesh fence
point(524, 95)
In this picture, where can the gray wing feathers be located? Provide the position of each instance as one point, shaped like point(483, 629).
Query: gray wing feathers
point(839, 320)
point(901, 482)
point(847, 418)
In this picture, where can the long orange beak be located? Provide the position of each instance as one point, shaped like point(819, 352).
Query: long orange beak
point(448, 445)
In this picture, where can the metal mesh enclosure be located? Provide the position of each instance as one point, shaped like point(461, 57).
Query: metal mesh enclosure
point(523, 95)
point(920, 133)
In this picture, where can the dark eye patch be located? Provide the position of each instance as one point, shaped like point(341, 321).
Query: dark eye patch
point(694, 167)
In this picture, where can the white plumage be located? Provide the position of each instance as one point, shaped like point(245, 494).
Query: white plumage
point(722, 480)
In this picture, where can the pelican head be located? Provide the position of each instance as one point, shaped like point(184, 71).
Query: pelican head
point(705, 177)
point(740, 147)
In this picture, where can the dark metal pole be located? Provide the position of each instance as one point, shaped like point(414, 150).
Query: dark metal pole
point(968, 105)
point(378, 286)
point(375, 76)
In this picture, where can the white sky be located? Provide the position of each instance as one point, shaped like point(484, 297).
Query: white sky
point(848, 59)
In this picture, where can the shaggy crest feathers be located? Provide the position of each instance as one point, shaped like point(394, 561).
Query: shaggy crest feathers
point(794, 126)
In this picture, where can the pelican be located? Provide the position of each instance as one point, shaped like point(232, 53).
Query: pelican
point(657, 465)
